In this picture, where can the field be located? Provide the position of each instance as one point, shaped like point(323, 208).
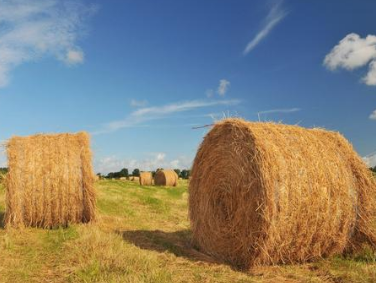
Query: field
point(143, 236)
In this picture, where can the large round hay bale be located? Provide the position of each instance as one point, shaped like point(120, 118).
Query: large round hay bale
point(50, 181)
point(265, 193)
point(146, 179)
point(166, 178)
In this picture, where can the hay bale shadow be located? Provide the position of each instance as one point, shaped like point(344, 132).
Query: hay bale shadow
point(177, 243)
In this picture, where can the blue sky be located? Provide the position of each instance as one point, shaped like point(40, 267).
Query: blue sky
point(138, 75)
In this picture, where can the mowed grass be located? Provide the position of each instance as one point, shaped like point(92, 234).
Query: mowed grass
point(143, 236)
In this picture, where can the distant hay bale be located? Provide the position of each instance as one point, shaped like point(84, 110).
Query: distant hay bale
point(146, 179)
point(135, 179)
point(166, 178)
point(265, 193)
point(123, 178)
point(50, 181)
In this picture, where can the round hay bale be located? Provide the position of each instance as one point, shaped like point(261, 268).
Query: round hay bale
point(146, 179)
point(50, 181)
point(135, 179)
point(166, 178)
point(265, 193)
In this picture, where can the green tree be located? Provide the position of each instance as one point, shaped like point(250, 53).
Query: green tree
point(136, 172)
point(185, 174)
point(177, 171)
point(110, 175)
point(124, 172)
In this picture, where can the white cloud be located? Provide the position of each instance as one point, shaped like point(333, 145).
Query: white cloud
point(74, 57)
point(275, 15)
point(370, 78)
point(150, 163)
point(353, 52)
point(3, 159)
point(373, 115)
point(272, 111)
point(209, 93)
point(34, 29)
point(223, 87)
point(370, 160)
point(157, 112)
point(139, 103)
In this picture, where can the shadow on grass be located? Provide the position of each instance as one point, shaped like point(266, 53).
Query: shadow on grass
point(178, 243)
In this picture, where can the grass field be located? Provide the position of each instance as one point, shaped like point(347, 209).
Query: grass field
point(143, 236)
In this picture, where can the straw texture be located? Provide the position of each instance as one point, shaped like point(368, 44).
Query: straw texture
point(265, 193)
point(146, 179)
point(50, 181)
point(166, 178)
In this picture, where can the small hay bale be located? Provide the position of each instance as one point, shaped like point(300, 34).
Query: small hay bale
point(146, 179)
point(123, 179)
point(166, 178)
point(50, 181)
point(265, 193)
point(135, 179)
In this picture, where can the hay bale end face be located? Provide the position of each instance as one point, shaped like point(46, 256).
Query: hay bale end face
point(265, 193)
point(166, 178)
point(50, 181)
point(146, 179)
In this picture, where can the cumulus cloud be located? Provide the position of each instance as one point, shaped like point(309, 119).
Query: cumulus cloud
point(3, 159)
point(370, 160)
point(34, 29)
point(223, 87)
point(370, 78)
point(373, 115)
point(353, 52)
point(151, 162)
point(275, 16)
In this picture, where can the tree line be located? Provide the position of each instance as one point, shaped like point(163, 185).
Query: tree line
point(373, 169)
point(124, 173)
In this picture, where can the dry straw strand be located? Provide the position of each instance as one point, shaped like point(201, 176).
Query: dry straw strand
point(266, 193)
point(50, 181)
point(146, 179)
point(166, 178)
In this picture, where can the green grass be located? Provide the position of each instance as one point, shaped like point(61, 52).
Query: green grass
point(143, 235)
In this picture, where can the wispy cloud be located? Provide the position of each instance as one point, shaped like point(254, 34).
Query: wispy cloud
point(273, 111)
point(223, 87)
point(373, 115)
point(145, 114)
point(33, 29)
point(353, 52)
point(209, 93)
point(275, 15)
point(139, 103)
point(150, 162)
